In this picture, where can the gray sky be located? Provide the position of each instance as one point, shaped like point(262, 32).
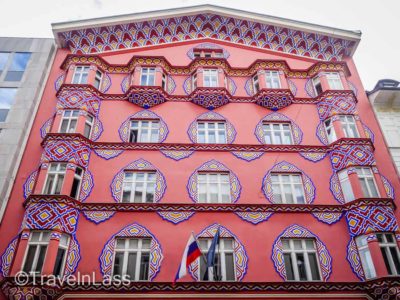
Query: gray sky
point(377, 56)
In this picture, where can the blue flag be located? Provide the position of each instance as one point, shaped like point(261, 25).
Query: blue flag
point(211, 253)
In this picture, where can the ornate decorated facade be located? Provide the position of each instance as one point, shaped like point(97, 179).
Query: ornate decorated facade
point(156, 126)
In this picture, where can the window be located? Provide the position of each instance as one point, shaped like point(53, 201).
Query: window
point(211, 132)
point(334, 81)
point(194, 81)
point(18, 66)
point(277, 133)
point(7, 97)
point(300, 258)
point(76, 183)
point(144, 131)
point(365, 255)
point(69, 121)
point(3, 60)
point(317, 85)
point(88, 126)
point(207, 53)
point(138, 187)
point(214, 188)
point(164, 81)
point(36, 252)
point(367, 181)
point(287, 188)
point(349, 126)
point(210, 77)
point(132, 257)
point(55, 179)
point(390, 252)
point(148, 77)
point(345, 184)
point(330, 131)
point(97, 79)
point(81, 75)
point(196, 54)
point(256, 84)
point(224, 260)
point(272, 80)
point(61, 255)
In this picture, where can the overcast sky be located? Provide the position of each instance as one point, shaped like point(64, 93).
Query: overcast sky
point(377, 57)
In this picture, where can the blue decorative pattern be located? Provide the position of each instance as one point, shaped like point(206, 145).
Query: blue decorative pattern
point(29, 184)
point(45, 129)
point(177, 154)
point(86, 186)
point(231, 85)
point(353, 258)
point(59, 81)
point(105, 83)
point(313, 156)
point(249, 88)
point(388, 187)
point(107, 154)
point(175, 217)
point(336, 105)
point(247, 156)
point(328, 218)
point(7, 257)
point(292, 87)
point(171, 85)
point(98, 216)
point(254, 217)
point(125, 83)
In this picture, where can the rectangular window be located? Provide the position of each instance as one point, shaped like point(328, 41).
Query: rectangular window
point(81, 75)
point(7, 98)
point(330, 131)
point(287, 188)
point(88, 126)
point(365, 255)
point(301, 261)
point(272, 80)
point(196, 54)
point(18, 65)
point(390, 252)
point(224, 269)
point(211, 132)
point(164, 82)
point(3, 60)
point(76, 183)
point(55, 179)
point(367, 182)
point(138, 187)
point(194, 81)
point(69, 121)
point(144, 131)
point(148, 77)
point(36, 252)
point(132, 258)
point(277, 133)
point(256, 84)
point(346, 186)
point(210, 77)
point(334, 81)
point(61, 257)
point(214, 188)
point(349, 126)
point(97, 79)
point(317, 85)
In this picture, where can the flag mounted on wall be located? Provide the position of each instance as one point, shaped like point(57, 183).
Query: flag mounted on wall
point(191, 253)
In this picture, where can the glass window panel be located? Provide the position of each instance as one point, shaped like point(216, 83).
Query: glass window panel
point(297, 244)
point(144, 266)
point(29, 259)
point(229, 267)
point(386, 259)
point(314, 266)
point(301, 266)
point(131, 267)
point(285, 244)
point(120, 244)
point(118, 262)
point(59, 262)
point(42, 253)
point(288, 193)
point(7, 98)
point(3, 60)
point(133, 243)
point(288, 266)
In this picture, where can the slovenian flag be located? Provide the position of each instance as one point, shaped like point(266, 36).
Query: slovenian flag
point(191, 253)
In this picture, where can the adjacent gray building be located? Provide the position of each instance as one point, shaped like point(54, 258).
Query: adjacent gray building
point(24, 64)
point(385, 99)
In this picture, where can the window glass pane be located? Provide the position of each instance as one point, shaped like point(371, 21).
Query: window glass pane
point(297, 244)
point(229, 266)
point(131, 267)
point(42, 253)
point(301, 266)
point(3, 60)
point(7, 97)
point(288, 266)
point(59, 262)
point(386, 259)
point(118, 261)
point(314, 266)
point(17, 67)
point(395, 257)
point(59, 184)
point(144, 266)
point(29, 259)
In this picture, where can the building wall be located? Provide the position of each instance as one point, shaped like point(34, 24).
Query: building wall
point(14, 131)
point(258, 239)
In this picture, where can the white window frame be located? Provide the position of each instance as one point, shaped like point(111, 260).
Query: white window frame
point(64, 238)
point(151, 125)
point(57, 173)
point(79, 73)
point(272, 79)
point(222, 179)
point(133, 181)
point(315, 81)
point(280, 131)
point(194, 81)
point(38, 244)
point(216, 130)
point(256, 83)
point(97, 79)
point(164, 81)
point(80, 179)
point(211, 74)
point(139, 250)
point(331, 137)
point(334, 80)
point(292, 184)
point(147, 72)
point(292, 251)
point(364, 175)
point(385, 246)
point(345, 183)
point(221, 251)
point(69, 119)
point(347, 121)
point(89, 121)
point(365, 256)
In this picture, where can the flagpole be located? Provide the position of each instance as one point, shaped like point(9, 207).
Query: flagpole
point(220, 256)
point(202, 254)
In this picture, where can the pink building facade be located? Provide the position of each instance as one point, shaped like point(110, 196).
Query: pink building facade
point(158, 125)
